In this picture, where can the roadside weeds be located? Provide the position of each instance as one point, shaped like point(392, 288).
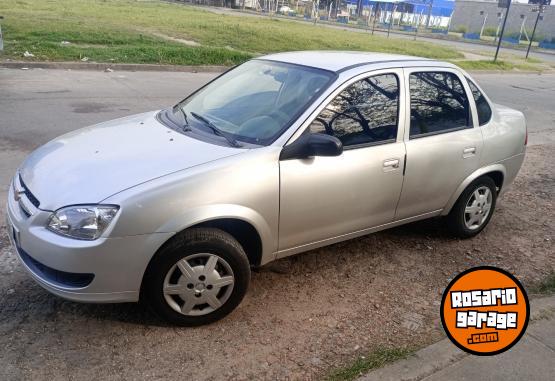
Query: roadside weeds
point(385, 356)
point(546, 286)
point(374, 360)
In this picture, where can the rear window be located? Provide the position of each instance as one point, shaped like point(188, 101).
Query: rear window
point(482, 105)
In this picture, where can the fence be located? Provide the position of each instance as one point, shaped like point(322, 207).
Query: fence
point(466, 19)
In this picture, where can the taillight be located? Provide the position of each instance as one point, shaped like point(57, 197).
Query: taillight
point(526, 138)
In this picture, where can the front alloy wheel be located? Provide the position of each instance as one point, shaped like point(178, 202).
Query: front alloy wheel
point(198, 277)
point(198, 284)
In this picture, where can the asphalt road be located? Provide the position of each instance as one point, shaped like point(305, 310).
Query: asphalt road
point(325, 308)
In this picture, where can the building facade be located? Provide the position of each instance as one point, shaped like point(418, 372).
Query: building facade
point(467, 13)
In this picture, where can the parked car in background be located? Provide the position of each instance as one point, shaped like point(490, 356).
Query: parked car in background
point(280, 155)
point(284, 10)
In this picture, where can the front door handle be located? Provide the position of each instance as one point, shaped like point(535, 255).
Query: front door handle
point(469, 151)
point(390, 164)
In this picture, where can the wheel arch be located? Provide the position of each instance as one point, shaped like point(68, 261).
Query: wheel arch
point(497, 172)
point(247, 226)
point(244, 232)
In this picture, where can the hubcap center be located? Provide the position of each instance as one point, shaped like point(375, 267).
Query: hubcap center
point(200, 287)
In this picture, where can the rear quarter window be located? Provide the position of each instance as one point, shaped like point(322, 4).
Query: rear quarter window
point(482, 106)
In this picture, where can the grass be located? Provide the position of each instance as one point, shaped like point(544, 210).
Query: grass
point(126, 31)
point(377, 359)
point(485, 65)
point(498, 65)
point(534, 60)
point(547, 286)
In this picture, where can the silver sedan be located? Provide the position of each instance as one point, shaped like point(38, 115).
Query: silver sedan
point(283, 154)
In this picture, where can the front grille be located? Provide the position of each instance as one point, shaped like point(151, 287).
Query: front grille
point(62, 278)
point(28, 193)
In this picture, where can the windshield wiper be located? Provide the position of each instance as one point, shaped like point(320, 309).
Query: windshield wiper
point(216, 130)
point(185, 127)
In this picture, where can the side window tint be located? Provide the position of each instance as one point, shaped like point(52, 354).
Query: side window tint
point(365, 112)
point(437, 103)
point(482, 105)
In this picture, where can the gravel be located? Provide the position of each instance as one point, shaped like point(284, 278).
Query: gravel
point(303, 315)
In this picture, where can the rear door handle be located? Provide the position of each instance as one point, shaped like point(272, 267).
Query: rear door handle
point(390, 164)
point(469, 151)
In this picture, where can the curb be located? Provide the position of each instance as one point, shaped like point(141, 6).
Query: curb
point(112, 66)
point(510, 72)
point(179, 68)
point(442, 354)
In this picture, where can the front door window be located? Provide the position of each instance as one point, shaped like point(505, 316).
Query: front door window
point(365, 113)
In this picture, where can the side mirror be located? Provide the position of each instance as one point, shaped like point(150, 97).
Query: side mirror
point(312, 145)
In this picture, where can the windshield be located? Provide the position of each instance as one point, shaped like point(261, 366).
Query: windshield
point(254, 102)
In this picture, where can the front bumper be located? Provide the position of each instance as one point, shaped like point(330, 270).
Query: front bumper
point(103, 270)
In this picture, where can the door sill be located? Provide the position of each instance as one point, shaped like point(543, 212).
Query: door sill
point(359, 233)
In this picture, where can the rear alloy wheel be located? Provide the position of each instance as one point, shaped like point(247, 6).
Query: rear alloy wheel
point(477, 208)
point(474, 208)
point(199, 277)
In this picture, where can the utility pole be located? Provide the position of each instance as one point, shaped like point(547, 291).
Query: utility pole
point(502, 2)
point(1, 38)
point(540, 11)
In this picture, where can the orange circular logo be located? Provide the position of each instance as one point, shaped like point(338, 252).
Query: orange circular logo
point(485, 310)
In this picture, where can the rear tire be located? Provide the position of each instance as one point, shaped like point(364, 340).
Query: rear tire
point(199, 277)
point(473, 209)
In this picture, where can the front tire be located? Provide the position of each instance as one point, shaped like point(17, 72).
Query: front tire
point(199, 277)
point(474, 208)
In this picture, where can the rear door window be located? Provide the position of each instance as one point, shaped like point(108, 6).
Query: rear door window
point(438, 104)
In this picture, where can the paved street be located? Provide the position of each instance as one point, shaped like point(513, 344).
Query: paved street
point(306, 316)
point(38, 105)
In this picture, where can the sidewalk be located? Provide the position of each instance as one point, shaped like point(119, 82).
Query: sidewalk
point(532, 358)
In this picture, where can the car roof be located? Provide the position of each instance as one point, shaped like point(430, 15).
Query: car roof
point(338, 61)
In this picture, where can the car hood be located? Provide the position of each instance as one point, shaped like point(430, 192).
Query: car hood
point(93, 163)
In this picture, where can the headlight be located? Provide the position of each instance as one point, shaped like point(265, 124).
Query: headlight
point(82, 221)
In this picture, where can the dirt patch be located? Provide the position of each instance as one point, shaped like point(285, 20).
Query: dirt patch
point(175, 39)
point(474, 56)
point(303, 315)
